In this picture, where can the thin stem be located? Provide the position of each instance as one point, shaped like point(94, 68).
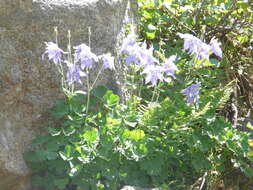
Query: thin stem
point(153, 95)
point(88, 91)
point(99, 73)
point(158, 94)
point(63, 77)
point(140, 88)
point(89, 35)
point(60, 68)
point(56, 34)
point(70, 58)
point(87, 72)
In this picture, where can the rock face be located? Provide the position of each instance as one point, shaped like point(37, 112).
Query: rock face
point(28, 85)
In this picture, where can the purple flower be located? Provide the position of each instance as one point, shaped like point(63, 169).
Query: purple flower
point(108, 61)
point(146, 56)
point(128, 43)
point(132, 52)
point(131, 59)
point(153, 74)
point(215, 46)
point(74, 73)
point(137, 52)
point(195, 46)
point(53, 51)
point(84, 54)
point(192, 93)
point(169, 66)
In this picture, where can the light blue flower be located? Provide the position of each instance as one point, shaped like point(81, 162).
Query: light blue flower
point(169, 66)
point(195, 46)
point(86, 57)
point(74, 73)
point(53, 51)
point(128, 43)
point(215, 46)
point(153, 74)
point(192, 93)
point(146, 56)
point(108, 61)
point(137, 52)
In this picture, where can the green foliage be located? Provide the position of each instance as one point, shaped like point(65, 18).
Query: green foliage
point(231, 22)
point(167, 144)
point(154, 138)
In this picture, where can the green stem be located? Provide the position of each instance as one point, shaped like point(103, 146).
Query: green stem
point(99, 73)
point(88, 91)
point(158, 94)
point(153, 95)
point(87, 72)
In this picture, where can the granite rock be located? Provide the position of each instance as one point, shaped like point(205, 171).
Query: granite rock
point(29, 86)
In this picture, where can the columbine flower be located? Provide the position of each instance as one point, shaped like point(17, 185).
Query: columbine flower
point(169, 66)
point(195, 46)
point(137, 52)
point(128, 43)
point(215, 46)
point(53, 51)
point(153, 74)
point(132, 59)
point(74, 73)
point(132, 51)
point(84, 54)
point(192, 93)
point(146, 56)
point(108, 61)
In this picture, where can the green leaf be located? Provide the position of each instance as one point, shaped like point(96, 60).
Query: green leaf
point(99, 91)
point(39, 140)
point(91, 135)
point(136, 134)
point(131, 124)
point(153, 166)
point(110, 98)
point(54, 131)
point(150, 35)
point(61, 183)
point(249, 126)
point(69, 130)
point(59, 110)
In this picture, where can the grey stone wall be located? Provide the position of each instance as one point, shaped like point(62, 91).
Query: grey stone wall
point(28, 85)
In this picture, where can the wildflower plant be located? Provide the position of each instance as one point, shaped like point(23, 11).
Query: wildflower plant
point(155, 138)
point(78, 65)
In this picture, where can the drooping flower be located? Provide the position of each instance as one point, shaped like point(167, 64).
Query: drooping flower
point(192, 93)
point(169, 66)
point(74, 73)
point(53, 51)
point(137, 52)
point(195, 46)
point(132, 59)
point(153, 74)
point(108, 61)
point(215, 46)
point(86, 57)
point(128, 43)
point(146, 56)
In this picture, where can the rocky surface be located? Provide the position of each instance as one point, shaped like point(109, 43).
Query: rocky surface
point(28, 85)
